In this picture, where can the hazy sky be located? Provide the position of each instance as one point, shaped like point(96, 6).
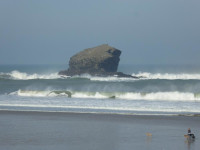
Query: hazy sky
point(147, 31)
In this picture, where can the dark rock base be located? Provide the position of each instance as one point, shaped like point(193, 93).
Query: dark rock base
point(99, 74)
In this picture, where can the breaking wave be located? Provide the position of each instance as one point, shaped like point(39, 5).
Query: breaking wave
point(163, 96)
point(16, 75)
point(168, 76)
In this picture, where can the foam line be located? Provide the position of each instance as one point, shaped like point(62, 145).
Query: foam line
point(162, 96)
point(168, 76)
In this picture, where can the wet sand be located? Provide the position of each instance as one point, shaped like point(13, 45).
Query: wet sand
point(74, 131)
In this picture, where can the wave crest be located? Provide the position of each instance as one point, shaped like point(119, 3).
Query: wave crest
point(168, 76)
point(16, 75)
point(158, 96)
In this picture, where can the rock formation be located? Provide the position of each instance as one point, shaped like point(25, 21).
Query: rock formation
point(102, 60)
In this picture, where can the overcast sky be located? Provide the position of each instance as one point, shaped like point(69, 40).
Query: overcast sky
point(147, 31)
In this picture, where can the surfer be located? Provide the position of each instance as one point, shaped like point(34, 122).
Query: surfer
point(190, 133)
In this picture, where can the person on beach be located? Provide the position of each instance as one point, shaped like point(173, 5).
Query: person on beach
point(190, 133)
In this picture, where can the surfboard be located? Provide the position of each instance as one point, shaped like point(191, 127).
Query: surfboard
point(189, 136)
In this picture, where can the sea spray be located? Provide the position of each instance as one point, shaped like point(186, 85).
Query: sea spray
point(32, 93)
point(16, 75)
point(154, 92)
point(157, 96)
point(168, 76)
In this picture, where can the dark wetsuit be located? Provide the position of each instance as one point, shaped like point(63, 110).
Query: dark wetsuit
point(190, 134)
point(189, 131)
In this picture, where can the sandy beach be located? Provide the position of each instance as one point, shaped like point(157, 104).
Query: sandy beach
point(73, 131)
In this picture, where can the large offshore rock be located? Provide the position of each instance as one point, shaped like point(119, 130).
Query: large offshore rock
point(102, 60)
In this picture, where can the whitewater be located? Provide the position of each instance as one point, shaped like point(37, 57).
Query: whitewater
point(17, 75)
point(154, 92)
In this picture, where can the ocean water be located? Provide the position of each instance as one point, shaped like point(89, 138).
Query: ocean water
point(160, 90)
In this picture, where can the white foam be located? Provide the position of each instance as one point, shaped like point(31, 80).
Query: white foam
point(157, 96)
point(96, 95)
point(166, 96)
point(17, 75)
point(112, 79)
point(153, 109)
point(106, 79)
point(24, 76)
point(168, 76)
point(144, 75)
point(33, 93)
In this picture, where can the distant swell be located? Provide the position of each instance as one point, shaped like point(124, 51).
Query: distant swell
point(168, 96)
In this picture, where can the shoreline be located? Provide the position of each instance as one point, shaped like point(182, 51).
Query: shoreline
point(88, 131)
point(101, 113)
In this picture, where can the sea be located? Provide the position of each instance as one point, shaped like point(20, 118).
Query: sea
point(158, 90)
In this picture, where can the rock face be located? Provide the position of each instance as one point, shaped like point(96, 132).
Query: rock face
point(102, 60)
